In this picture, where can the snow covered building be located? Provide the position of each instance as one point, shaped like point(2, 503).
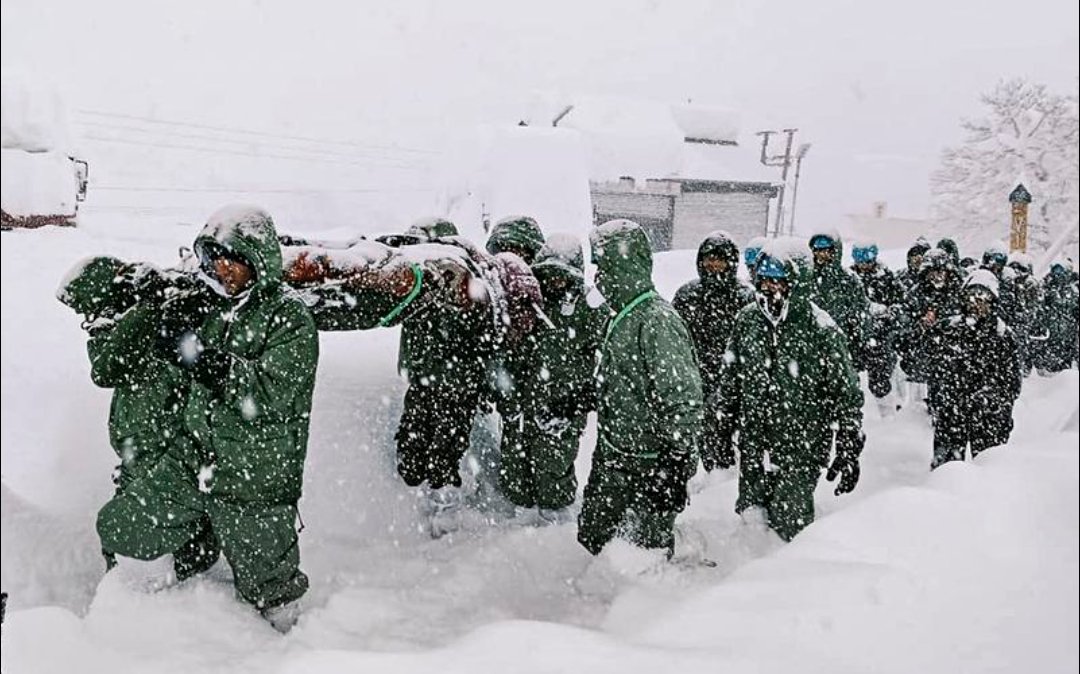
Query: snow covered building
point(677, 170)
point(681, 171)
point(42, 182)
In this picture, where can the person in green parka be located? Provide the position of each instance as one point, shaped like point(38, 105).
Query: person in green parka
point(1060, 299)
point(885, 295)
point(840, 294)
point(443, 356)
point(649, 402)
point(555, 386)
point(127, 308)
point(252, 362)
point(708, 305)
point(788, 391)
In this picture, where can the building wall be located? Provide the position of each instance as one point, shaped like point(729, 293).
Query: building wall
point(654, 212)
point(742, 214)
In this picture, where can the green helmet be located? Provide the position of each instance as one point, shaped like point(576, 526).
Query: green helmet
point(97, 286)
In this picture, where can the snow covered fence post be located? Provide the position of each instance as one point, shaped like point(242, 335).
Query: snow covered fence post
point(1019, 198)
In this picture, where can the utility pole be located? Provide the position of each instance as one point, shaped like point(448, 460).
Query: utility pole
point(784, 162)
point(1019, 198)
point(803, 149)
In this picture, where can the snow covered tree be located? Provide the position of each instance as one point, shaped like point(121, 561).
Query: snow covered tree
point(1027, 133)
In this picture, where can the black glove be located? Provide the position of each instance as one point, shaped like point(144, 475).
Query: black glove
point(849, 445)
point(212, 369)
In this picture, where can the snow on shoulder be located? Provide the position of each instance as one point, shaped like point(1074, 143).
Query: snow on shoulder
point(822, 317)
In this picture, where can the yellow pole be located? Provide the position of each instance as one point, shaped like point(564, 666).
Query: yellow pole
point(1019, 198)
point(1018, 233)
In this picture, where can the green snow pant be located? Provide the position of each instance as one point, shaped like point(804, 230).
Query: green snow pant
point(786, 494)
point(434, 431)
point(537, 459)
point(166, 512)
point(615, 504)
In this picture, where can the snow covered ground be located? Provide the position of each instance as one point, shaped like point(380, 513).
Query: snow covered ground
point(970, 569)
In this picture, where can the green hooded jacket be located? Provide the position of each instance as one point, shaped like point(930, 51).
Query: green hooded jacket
point(841, 295)
point(650, 400)
point(709, 305)
point(146, 412)
point(254, 436)
point(564, 348)
point(787, 384)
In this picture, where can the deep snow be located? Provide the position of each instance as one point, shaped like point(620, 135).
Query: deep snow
point(972, 568)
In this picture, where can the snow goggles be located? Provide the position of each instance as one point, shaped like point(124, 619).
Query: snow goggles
point(770, 267)
point(750, 256)
point(211, 250)
point(821, 242)
point(864, 254)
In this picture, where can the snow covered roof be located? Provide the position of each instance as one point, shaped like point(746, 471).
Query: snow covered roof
point(707, 124)
point(648, 139)
point(34, 118)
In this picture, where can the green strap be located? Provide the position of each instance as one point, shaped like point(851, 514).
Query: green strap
point(648, 294)
point(418, 276)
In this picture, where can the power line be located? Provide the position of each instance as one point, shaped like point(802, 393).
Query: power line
point(234, 129)
point(238, 141)
point(259, 190)
point(258, 155)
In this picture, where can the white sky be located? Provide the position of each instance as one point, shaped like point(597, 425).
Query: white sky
point(876, 87)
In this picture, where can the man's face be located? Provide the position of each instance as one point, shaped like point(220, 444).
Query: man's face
point(233, 274)
point(823, 256)
point(914, 262)
point(937, 277)
point(774, 292)
point(979, 302)
point(715, 265)
point(864, 267)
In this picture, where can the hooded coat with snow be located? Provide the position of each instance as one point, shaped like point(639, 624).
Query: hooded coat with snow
point(1022, 307)
point(974, 376)
point(842, 296)
point(927, 308)
point(885, 295)
point(554, 374)
point(254, 422)
point(1060, 316)
point(787, 388)
point(708, 305)
point(649, 404)
point(248, 412)
point(146, 412)
point(909, 275)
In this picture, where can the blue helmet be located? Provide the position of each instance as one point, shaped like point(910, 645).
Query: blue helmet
point(864, 254)
point(750, 256)
point(822, 242)
point(768, 266)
